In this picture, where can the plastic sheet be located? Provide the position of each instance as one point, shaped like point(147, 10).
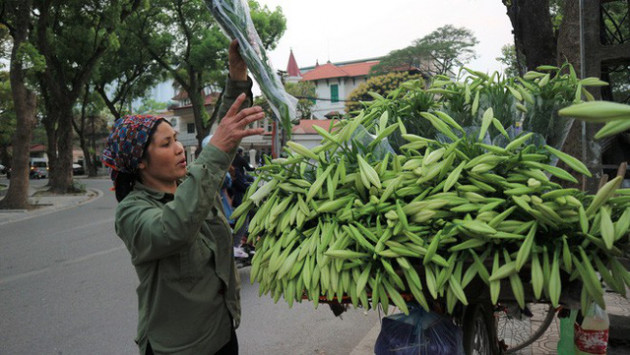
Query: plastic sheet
point(234, 19)
point(421, 333)
point(380, 149)
point(543, 119)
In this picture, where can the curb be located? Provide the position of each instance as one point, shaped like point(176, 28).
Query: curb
point(91, 196)
point(366, 345)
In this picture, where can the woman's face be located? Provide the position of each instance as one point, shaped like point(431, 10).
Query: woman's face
point(165, 160)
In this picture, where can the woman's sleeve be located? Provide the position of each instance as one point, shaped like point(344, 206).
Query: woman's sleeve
point(151, 232)
point(232, 90)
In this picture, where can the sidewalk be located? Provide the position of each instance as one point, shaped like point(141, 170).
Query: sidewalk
point(45, 203)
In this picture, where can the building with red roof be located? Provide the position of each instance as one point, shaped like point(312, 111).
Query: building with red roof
point(293, 71)
point(333, 82)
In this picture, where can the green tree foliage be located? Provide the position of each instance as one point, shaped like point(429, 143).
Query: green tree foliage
point(270, 25)
point(556, 8)
point(380, 84)
point(188, 43)
point(305, 92)
point(509, 58)
point(620, 84)
point(128, 72)
point(72, 36)
point(7, 118)
point(264, 104)
point(7, 113)
point(150, 106)
point(616, 15)
point(5, 45)
point(437, 53)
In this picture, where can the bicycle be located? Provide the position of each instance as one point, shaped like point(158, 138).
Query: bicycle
point(498, 329)
point(511, 321)
point(508, 326)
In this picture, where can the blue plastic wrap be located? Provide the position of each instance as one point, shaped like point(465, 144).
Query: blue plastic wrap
point(419, 333)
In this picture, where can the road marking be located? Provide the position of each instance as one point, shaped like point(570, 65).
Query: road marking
point(62, 264)
point(89, 225)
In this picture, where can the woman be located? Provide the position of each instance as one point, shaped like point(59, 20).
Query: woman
point(179, 240)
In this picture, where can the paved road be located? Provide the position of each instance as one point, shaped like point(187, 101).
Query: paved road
point(67, 287)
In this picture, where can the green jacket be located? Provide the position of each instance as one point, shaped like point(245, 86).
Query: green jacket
point(181, 247)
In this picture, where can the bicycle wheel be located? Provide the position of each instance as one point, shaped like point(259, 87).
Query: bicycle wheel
point(517, 329)
point(478, 328)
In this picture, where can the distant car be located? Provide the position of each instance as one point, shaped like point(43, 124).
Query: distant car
point(3, 169)
point(39, 168)
point(38, 173)
point(77, 169)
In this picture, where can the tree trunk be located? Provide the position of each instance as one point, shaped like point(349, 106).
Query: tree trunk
point(569, 36)
point(81, 132)
point(533, 31)
point(94, 156)
point(198, 101)
point(580, 142)
point(569, 51)
point(58, 124)
point(87, 157)
point(61, 166)
point(87, 146)
point(25, 104)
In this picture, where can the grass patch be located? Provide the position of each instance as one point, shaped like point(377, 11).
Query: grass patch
point(78, 187)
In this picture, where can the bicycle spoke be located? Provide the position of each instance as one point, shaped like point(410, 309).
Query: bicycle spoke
point(518, 332)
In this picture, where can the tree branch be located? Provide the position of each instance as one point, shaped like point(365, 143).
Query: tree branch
point(110, 105)
point(185, 29)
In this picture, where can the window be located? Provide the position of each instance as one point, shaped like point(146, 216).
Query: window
point(334, 93)
point(190, 128)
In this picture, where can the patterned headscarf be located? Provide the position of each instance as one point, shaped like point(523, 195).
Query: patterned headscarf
point(126, 143)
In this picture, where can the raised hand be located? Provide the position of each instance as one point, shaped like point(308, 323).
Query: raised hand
point(233, 127)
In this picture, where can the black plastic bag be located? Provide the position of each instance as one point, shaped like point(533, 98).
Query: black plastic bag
point(420, 332)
